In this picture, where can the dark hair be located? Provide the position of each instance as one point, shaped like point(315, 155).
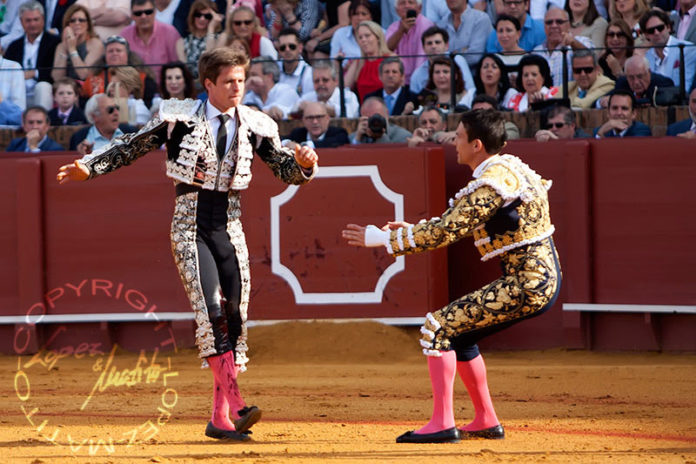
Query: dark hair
point(515, 22)
point(434, 30)
point(624, 93)
point(212, 62)
point(555, 110)
point(655, 13)
point(441, 114)
point(141, 3)
point(354, 4)
point(391, 59)
point(486, 125)
point(483, 98)
point(38, 108)
point(503, 83)
point(200, 5)
point(538, 61)
point(626, 32)
point(590, 15)
point(458, 79)
point(189, 87)
point(289, 31)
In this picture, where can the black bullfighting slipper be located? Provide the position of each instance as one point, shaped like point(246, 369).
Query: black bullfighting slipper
point(492, 433)
point(221, 434)
point(443, 436)
point(248, 416)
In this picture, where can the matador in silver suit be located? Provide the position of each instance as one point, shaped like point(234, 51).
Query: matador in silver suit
point(210, 170)
point(505, 209)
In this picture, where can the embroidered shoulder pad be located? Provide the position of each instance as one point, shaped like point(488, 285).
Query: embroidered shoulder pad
point(504, 180)
point(173, 110)
point(259, 123)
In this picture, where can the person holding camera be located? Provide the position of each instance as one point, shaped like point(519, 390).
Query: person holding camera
point(374, 127)
point(404, 36)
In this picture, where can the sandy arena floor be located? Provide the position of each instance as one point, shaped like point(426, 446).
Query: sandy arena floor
point(341, 393)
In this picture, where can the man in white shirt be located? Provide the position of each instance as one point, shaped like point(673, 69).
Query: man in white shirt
point(12, 88)
point(294, 71)
point(266, 92)
point(325, 79)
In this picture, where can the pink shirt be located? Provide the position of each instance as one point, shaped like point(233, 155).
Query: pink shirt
point(685, 22)
point(161, 49)
point(410, 44)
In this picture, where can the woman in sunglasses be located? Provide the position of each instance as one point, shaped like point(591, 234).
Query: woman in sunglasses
point(585, 20)
point(618, 44)
point(243, 23)
point(204, 25)
point(80, 47)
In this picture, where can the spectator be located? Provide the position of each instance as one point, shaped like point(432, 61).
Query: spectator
point(438, 91)
point(301, 15)
point(622, 115)
point(492, 80)
point(589, 85)
point(204, 25)
point(55, 10)
point(687, 127)
point(165, 11)
point(618, 48)
point(337, 16)
point(538, 8)
point(387, 12)
point(435, 10)
point(325, 79)
point(396, 95)
point(177, 81)
point(126, 89)
point(344, 41)
point(508, 30)
point(35, 51)
point(316, 131)
point(66, 111)
point(585, 21)
point(374, 126)
point(294, 71)
point(468, 30)
point(242, 22)
point(664, 54)
point(10, 26)
point(432, 124)
point(535, 79)
point(630, 11)
point(79, 48)
point(35, 125)
point(109, 16)
point(436, 43)
point(12, 91)
point(485, 102)
point(266, 92)
point(683, 20)
point(103, 114)
point(118, 53)
point(363, 74)
point(153, 41)
point(532, 31)
point(558, 35)
point(404, 35)
point(239, 45)
point(560, 125)
point(639, 80)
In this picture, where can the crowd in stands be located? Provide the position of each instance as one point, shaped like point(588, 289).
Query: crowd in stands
point(107, 65)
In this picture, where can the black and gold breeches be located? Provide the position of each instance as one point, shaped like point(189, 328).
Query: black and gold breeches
point(529, 286)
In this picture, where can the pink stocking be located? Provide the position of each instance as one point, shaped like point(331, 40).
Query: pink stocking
point(442, 372)
point(473, 373)
point(226, 395)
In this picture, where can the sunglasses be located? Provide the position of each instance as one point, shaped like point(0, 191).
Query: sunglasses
point(147, 12)
point(555, 125)
point(207, 16)
point(558, 22)
point(284, 47)
point(586, 70)
point(246, 22)
point(616, 34)
point(652, 30)
point(116, 39)
point(77, 20)
point(111, 109)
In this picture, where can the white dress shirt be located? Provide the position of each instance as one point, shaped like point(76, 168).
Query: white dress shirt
point(281, 95)
point(212, 113)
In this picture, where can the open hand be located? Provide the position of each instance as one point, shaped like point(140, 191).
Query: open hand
point(74, 171)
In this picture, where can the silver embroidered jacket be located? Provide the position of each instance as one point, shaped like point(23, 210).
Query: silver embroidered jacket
point(191, 154)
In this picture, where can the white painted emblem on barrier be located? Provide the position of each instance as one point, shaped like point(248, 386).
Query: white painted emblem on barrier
point(335, 297)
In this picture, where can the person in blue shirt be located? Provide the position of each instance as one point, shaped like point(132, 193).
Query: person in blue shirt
point(35, 124)
point(532, 31)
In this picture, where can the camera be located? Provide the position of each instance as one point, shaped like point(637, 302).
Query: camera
point(411, 13)
point(377, 125)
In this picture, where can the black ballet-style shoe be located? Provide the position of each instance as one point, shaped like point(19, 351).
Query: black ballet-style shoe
point(248, 416)
point(221, 434)
point(491, 433)
point(443, 436)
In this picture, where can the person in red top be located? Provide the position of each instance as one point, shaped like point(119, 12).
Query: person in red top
point(363, 74)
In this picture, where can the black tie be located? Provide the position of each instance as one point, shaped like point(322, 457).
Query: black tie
point(221, 142)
